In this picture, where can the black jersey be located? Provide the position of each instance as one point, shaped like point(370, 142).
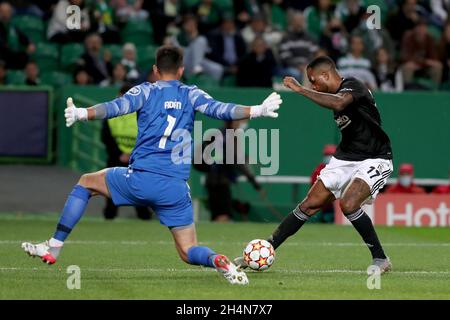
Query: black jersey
point(360, 125)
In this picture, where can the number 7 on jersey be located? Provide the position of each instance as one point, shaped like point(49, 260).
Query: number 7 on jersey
point(171, 120)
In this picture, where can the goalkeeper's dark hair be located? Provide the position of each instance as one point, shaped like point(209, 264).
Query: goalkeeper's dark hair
point(322, 61)
point(169, 59)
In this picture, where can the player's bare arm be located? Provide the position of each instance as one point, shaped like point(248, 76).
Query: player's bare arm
point(336, 102)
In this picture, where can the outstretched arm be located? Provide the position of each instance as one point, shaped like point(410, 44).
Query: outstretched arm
point(336, 102)
point(205, 104)
point(130, 102)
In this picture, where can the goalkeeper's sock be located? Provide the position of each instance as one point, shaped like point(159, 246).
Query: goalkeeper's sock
point(73, 210)
point(362, 223)
point(202, 256)
point(290, 225)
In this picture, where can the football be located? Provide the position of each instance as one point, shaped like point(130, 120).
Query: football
point(259, 254)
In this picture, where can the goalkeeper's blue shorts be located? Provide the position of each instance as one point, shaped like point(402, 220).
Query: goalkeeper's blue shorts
point(169, 197)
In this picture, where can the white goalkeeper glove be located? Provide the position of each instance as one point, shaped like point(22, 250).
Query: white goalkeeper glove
point(74, 114)
point(268, 107)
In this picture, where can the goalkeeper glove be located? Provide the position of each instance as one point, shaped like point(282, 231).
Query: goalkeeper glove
point(268, 107)
point(74, 114)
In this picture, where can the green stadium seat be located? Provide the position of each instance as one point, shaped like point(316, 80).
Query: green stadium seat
point(70, 54)
point(32, 26)
point(279, 17)
point(138, 32)
point(56, 78)
point(116, 52)
point(15, 77)
point(146, 56)
point(189, 3)
point(225, 4)
point(46, 56)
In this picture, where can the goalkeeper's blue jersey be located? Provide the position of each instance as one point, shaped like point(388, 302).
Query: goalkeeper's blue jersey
point(165, 116)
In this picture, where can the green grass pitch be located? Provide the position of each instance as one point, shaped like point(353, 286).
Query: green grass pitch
point(130, 259)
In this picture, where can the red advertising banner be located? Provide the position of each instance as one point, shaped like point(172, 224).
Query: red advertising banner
point(421, 210)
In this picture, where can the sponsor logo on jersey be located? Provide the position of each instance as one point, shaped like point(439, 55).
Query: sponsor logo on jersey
point(172, 105)
point(343, 121)
point(134, 91)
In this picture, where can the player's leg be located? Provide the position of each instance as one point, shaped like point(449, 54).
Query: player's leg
point(190, 252)
point(317, 197)
point(357, 192)
point(89, 184)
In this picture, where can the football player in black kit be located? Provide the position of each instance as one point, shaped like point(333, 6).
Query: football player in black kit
point(359, 168)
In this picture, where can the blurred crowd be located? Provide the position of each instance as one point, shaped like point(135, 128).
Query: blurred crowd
point(249, 43)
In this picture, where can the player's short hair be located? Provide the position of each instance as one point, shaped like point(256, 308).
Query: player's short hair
point(321, 61)
point(169, 59)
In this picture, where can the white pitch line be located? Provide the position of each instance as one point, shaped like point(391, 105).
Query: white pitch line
point(162, 242)
point(275, 271)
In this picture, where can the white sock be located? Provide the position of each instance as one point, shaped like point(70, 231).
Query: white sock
point(55, 242)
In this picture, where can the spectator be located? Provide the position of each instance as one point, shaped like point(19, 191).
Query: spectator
point(57, 30)
point(419, 55)
point(27, 7)
point(119, 137)
point(119, 77)
point(297, 48)
point(375, 38)
point(405, 182)
point(129, 62)
point(162, 14)
point(403, 20)
point(82, 77)
point(195, 49)
point(227, 45)
point(209, 14)
point(350, 12)
point(129, 10)
point(317, 17)
point(355, 65)
point(259, 28)
point(327, 212)
point(104, 22)
point(256, 69)
point(93, 61)
point(444, 51)
point(32, 74)
point(388, 78)
point(3, 73)
point(15, 47)
point(334, 39)
point(244, 10)
point(445, 189)
point(220, 175)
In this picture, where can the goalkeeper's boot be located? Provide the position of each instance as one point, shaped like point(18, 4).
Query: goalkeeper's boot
point(229, 270)
point(385, 265)
point(42, 250)
point(240, 262)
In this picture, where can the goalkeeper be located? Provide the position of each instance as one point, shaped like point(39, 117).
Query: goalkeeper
point(165, 112)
